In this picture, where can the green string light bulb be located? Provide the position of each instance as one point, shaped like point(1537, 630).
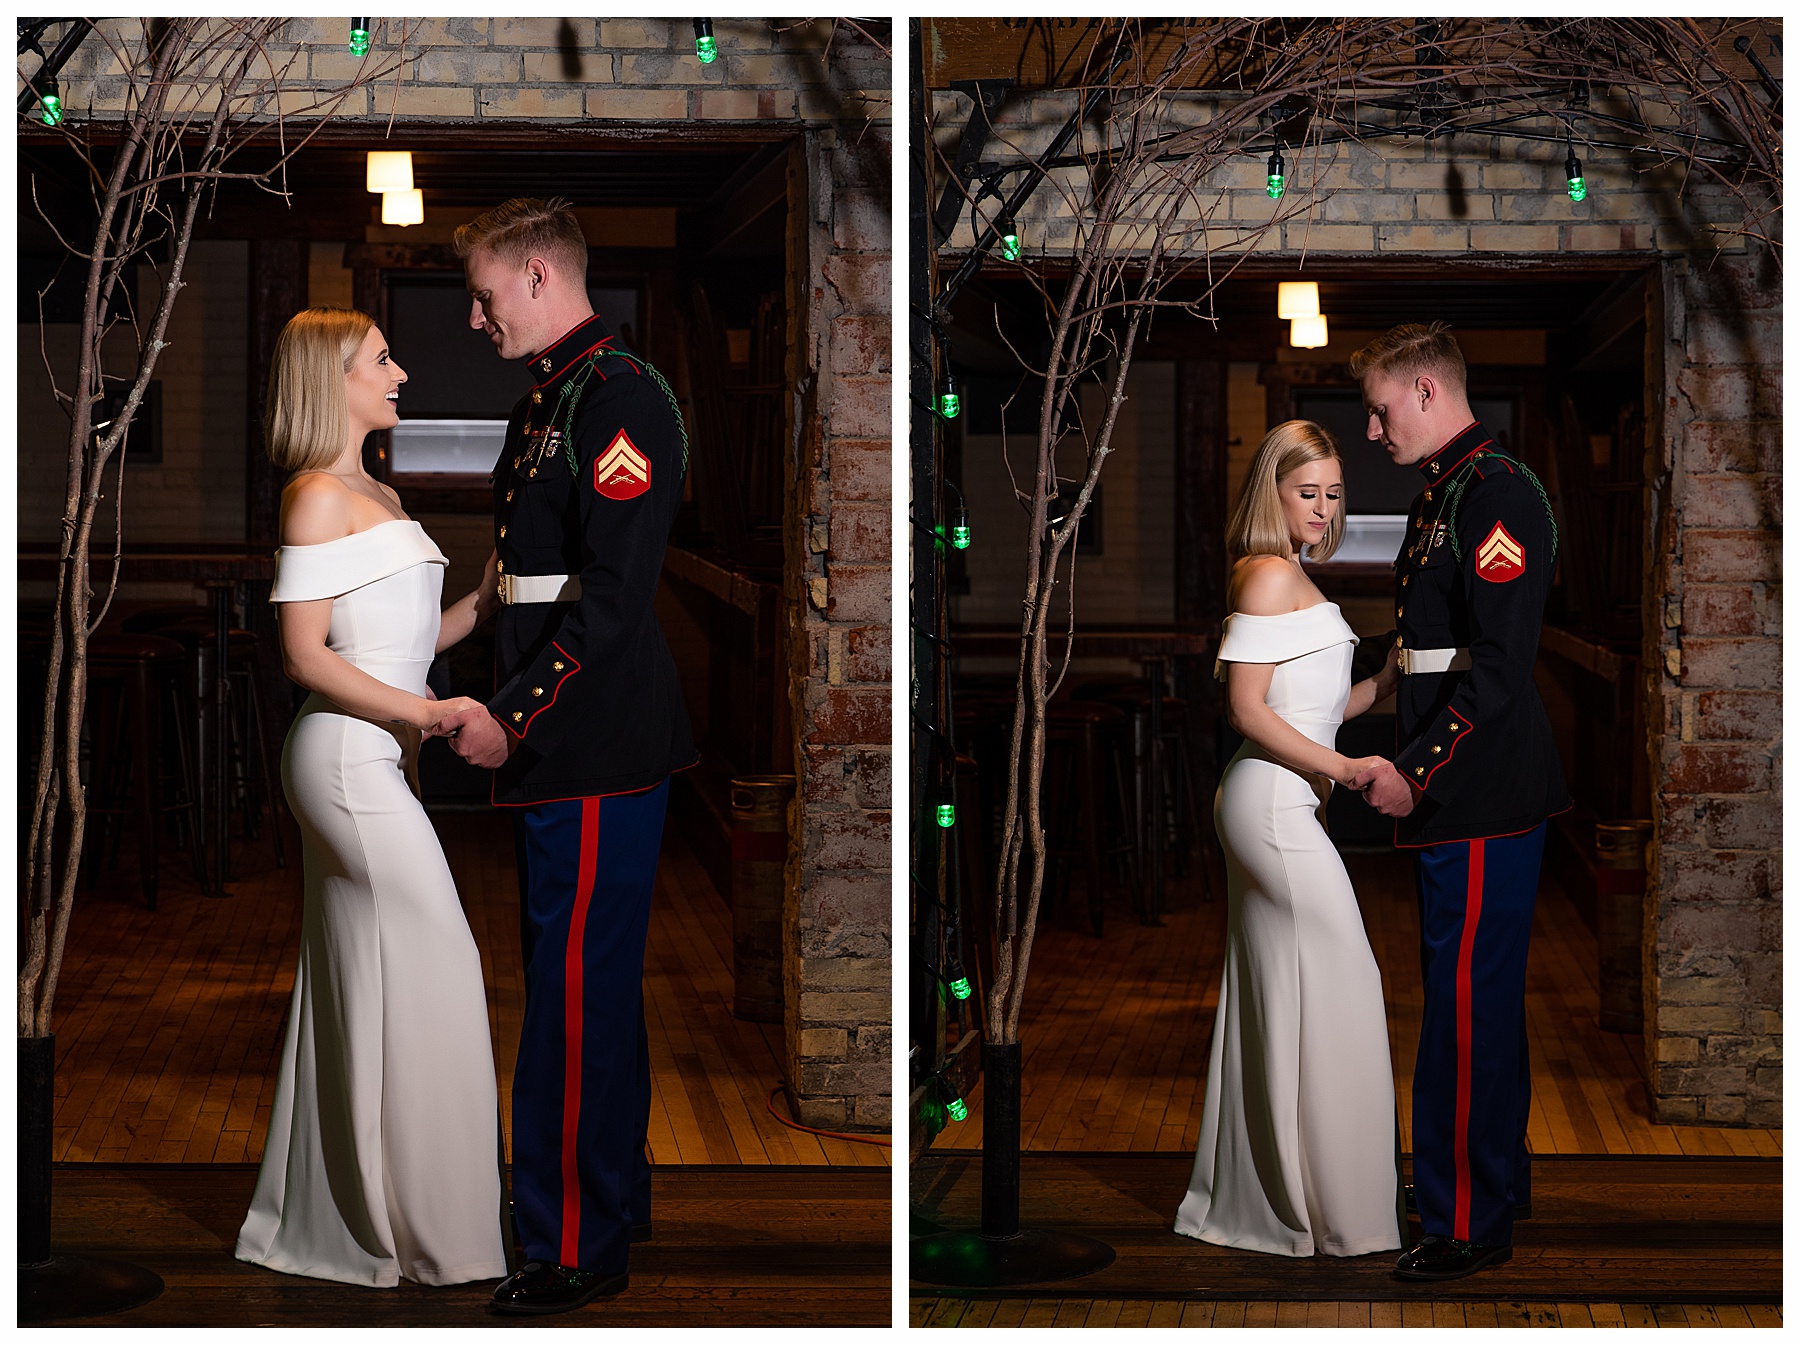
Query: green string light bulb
point(1010, 245)
point(953, 1102)
point(1577, 183)
point(946, 814)
point(706, 47)
point(359, 37)
point(949, 404)
point(1277, 176)
point(960, 536)
point(50, 106)
point(954, 975)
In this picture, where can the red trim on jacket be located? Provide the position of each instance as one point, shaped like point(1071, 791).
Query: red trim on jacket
point(1468, 724)
point(577, 798)
point(573, 669)
point(1424, 464)
point(1470, 840)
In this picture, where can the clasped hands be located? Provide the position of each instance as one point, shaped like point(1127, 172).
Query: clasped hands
point(1386, 791)
point(474, 734)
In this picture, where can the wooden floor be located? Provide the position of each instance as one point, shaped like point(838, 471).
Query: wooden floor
point(749, 1246)
point(1139, 1312)
point(169, 1022)
point(1618, 1230)
point(1116, 1032)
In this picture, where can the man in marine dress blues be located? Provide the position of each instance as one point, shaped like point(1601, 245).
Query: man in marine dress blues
point(586, 725)
point(1474, 779)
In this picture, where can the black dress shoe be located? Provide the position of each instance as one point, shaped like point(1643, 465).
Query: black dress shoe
point(640, 1232)
point(1520, 1212)
point(1439, 1258)
point(542, 1288)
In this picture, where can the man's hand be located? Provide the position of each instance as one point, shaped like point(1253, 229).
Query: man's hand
point(1386, 790)
point(477, 737)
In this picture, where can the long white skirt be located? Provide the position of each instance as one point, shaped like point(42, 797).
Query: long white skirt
point(1297, 1148)
point(382, 1157)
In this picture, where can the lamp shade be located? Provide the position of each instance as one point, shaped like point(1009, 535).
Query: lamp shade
point(1308, 333)
point(1297, 299)
point(390, 170)
point(403, 207)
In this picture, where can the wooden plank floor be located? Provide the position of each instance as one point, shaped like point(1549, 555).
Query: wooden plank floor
point(1116, 1032)
point(1141, 1312)
point(1630, 1229)
point(733, 1247)
point(169, 1022)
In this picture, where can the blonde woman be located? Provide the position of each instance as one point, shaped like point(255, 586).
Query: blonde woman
point(1296, 1152)
point(382, 1154)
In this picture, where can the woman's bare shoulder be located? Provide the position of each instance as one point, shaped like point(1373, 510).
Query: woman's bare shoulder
point(1265, 586)
point(316, 507)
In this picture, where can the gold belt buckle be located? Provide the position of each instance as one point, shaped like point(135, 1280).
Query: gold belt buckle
point(506, 589)
point(1405, 661)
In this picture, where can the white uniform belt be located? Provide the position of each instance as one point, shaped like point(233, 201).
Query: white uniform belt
point(1435, 660)
point(518, 588)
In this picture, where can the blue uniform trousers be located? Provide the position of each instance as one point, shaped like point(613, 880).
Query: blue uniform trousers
point(581, 1090)
point(1472, 1084)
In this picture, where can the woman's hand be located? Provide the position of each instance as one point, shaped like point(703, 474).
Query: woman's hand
point(1387, 681)
point(1355, 766)
point(487, 594)
point(450, 709)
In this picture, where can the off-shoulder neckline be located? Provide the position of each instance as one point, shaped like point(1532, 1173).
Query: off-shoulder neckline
point(349, 536)
point(1282, 616)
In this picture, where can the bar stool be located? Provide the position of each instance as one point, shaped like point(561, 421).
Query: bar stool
point(1081, 747)
point(132, 680)
point(1183, 828)
point(193, 627)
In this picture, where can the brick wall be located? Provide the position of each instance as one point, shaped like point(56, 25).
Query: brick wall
point(1712, 951)
point(1474, 194)
point(838, 961)
point(546, 69)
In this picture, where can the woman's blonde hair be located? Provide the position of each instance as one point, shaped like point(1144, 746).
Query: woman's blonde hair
point(1257, 526)
point(306, 418)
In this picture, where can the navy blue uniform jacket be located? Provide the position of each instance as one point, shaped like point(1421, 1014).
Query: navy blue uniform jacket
point(588, 689)
point(1477, 741)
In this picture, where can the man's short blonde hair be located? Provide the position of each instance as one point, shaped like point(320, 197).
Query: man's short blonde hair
point(1412, 349)
point(306, 420)
point(1257, 526)
point(526, 227)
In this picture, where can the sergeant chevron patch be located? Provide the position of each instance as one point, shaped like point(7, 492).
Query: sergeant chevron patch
point(622, 473)
point(1500, 558)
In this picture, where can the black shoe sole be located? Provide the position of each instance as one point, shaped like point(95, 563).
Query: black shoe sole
point(641, 1232)
point(1496, 1256)
point(602, 1289)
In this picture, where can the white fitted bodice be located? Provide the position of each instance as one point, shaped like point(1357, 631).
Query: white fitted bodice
point(1311, 650)
point(387, 583)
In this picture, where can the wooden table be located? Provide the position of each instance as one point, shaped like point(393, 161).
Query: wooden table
point(1151, 647)
point(219, 568)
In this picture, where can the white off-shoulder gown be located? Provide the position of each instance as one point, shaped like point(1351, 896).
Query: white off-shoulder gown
point(1297, 1141)
point(382, 1157)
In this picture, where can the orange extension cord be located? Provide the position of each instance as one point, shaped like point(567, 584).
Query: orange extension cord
point(828, 1134)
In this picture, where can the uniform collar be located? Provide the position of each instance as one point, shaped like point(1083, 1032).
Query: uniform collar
point(578, 342)
point(1458, 451)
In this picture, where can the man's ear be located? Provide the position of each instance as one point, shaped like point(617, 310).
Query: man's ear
point(1426, 389)
point(536, 274)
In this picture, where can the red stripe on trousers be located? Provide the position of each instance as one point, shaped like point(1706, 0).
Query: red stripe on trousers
point(1465, 1033)
point(584, 891)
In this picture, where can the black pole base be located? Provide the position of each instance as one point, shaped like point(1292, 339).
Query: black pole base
point(79, 1286)
point(972, 1261)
